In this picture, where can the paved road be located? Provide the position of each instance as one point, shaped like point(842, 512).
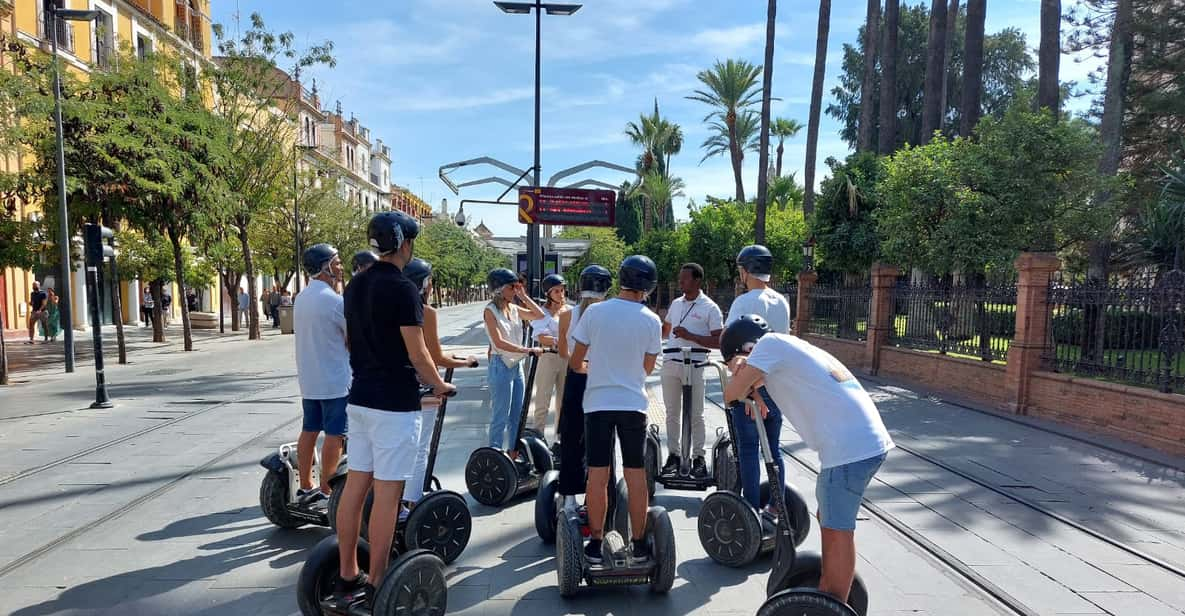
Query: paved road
point(152, 507)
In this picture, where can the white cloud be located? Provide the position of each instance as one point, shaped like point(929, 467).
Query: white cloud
point(435, 100)
point(728, 41)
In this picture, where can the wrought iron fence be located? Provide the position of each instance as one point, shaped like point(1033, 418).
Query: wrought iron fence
point(839, 311)
point(1131, 332)
point(976, 321)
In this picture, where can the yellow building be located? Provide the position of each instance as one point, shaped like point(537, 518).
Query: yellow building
point(147, 26)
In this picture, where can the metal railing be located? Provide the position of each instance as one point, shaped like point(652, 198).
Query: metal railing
point(1131, 331)
point(839, 311)
point(45, 21)
point(974, 321)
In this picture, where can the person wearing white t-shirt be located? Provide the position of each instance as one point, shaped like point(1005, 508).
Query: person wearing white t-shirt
point(621, 339)
point(693, 320)
point(755, 264)
point(322, 369)
point(833, 415)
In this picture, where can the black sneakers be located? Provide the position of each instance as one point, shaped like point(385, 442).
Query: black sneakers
point(699, 469)
point(311, 496)
point(672, 465)
point(592, 551)
point(641, 551)
point(349, 592)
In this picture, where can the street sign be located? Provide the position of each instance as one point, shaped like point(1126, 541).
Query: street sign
point(579, 207)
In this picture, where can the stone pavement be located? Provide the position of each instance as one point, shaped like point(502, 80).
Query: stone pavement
point(167, 520)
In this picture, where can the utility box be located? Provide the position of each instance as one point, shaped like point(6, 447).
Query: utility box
point(286, 326)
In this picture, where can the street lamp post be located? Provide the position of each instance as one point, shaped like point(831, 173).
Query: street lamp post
point(808, 255)
point(534, 264)
point(63, 212)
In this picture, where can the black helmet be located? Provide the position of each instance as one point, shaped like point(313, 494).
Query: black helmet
point(409, 225)
point(550, 281)
point(741, 335)
point(595, 279)
point(756, 259)
point(363, 259)
point(385, 232)
point(638, 273)
point(498, 278)
point(418, 271)
point(316, 257)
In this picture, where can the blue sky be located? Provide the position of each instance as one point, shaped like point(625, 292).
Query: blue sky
point(448, 80)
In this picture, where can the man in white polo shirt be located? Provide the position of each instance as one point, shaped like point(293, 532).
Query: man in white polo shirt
point(693, 320)
point(322, 368)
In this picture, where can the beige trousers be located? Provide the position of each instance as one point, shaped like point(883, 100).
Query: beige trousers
point(549, 383)
point(672, 397)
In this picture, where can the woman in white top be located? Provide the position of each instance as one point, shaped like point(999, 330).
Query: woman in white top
point(504, 325)
point(549, 375)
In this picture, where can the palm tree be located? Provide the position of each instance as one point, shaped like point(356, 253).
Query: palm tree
point(767, 79)
point(971, 102)
point(731, 87)
point(783, 129)
point(784, 190)
point(1049, 55)
point(657, 191)
point(812, 129)
point(932, 104)
point(867, 108)
point(887, 128)
point(747, 132)
point(659, 138)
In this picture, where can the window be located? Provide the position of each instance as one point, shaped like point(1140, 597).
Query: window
point(64, 32)
point(143, 46)
point(104, 39)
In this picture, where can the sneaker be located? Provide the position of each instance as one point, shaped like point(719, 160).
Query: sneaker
point(672, 465)
point(641, 551)
point(592, 551)
point(310, 496)
point(349, 592)
point(699, 469)
point(404, 511)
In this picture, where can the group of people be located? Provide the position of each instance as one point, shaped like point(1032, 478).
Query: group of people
point(364, 353)
point(44, 315)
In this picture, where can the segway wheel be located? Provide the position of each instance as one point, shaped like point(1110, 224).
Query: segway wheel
point(273, 500)
point(619, 509)
point(808, 569)
point(804, 602)
point(491, 477)
point(569, 556)
point(729, 529)
point(414, 585)
point(539, 453)
point(545, 507)
point(335, 499)
point(800, 513)
point(320, 571)
point(651, 454)
point(724, 467)
point(440, 523)
point(662, 537)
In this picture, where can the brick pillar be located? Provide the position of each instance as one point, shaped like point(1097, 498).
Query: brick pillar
point(806, 279)
point(1034, 270)
point(880, 314)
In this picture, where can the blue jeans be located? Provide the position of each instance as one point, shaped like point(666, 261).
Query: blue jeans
point(840, 490)
point(506, 401)
point(748, 451)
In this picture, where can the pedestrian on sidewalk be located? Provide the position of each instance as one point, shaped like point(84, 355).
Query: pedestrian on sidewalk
point(322, 369)
point(693, 320)
point(52, 325)
point(384, 326)
point(191, 300)
point(595, 281)
point(503, 317)
point(37, 299)
point(244, 305)
point(621, 339)
point(830, 411)
point(146, 306)
point(273, 303)
point(166, 306)
point(550, 372)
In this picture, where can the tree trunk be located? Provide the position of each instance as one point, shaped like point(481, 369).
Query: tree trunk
point(252, 288)
point(952, 17)
point(737, 155)
point(116, 299)
point(932, 92)
point(778, 168)
point(867, 100)
point(812, 128)
point(3, 354)
point(763, 155)
point(887, 131)
point(158, 324)
point(1049, 55)
point(230, 285)
point(972, 99)
point(179, 274)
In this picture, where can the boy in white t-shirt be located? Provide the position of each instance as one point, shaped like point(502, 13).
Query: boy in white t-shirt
point(833, 414)
point(693, 320)
point(621, 339)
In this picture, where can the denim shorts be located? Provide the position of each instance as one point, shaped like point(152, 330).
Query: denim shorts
point(328, 416)
point(840, 489)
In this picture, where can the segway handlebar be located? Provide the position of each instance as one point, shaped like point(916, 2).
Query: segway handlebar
point(471, 364)
point(429, 391)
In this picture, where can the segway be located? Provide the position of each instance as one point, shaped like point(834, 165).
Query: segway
point(412, 584)
point(493, 478)
point(732, 532)
point(549, 505)
point(792, 587)
point(440, 521)
point(277, 493)
point(722, 471)
point(618, 568)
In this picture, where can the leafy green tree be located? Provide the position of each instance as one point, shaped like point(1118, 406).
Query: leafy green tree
point(669, 250)
point(606, 250)
point(459, 259)
point(628, 215)
point(843, 225)
point(658, 192)
point(1007, 67)
point(731, 87)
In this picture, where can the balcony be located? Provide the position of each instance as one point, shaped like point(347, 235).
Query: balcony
point(45, 22)
point(187, 24)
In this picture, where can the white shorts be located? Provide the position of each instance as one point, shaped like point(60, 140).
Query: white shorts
point(383, 442)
